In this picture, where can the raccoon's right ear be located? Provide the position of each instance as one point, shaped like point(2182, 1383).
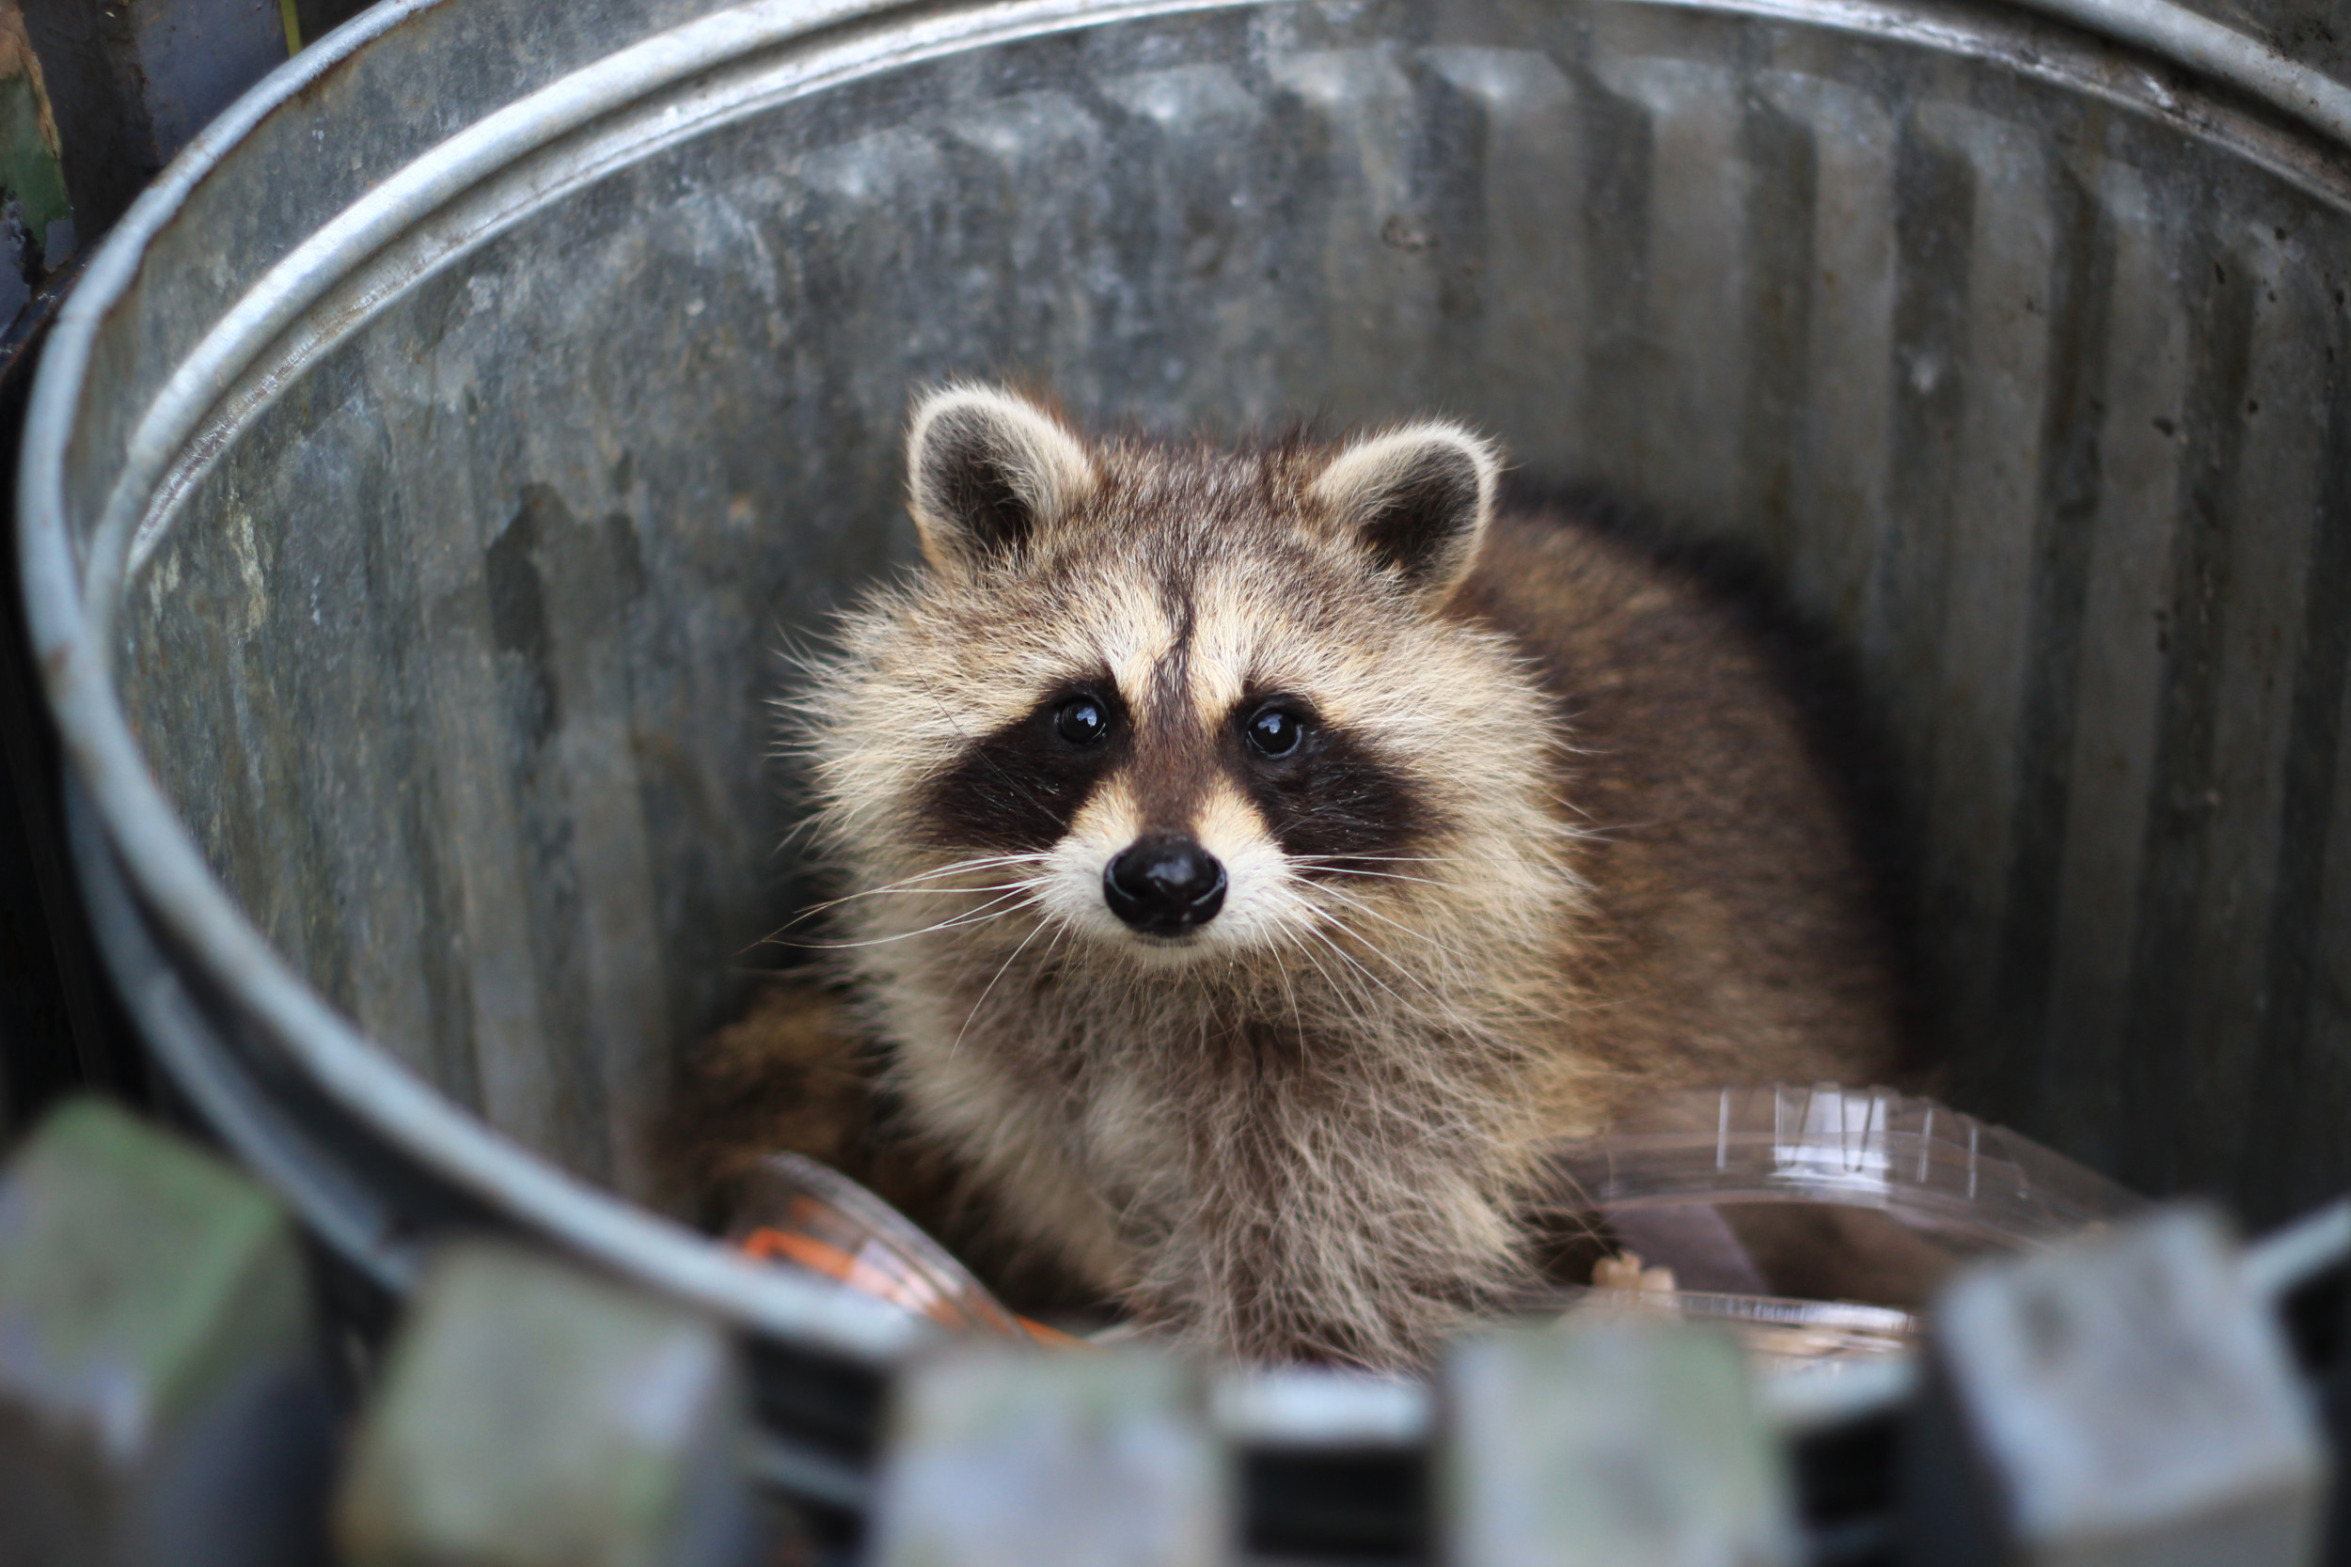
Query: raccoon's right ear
point(1416, 498)
point(985, 471)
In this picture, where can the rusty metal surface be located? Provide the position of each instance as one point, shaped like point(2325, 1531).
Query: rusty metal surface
point(435, 465)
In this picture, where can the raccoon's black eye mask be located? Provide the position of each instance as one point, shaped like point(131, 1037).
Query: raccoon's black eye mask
point(1326, 795)
point(1017, 788)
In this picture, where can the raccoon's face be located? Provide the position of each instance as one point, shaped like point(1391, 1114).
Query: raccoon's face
point(1181, 703)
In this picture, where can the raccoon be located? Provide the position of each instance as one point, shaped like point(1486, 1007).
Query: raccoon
point(1253, 856)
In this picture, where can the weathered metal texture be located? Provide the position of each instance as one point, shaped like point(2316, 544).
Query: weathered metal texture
point(2313, 32)
point(425, 481)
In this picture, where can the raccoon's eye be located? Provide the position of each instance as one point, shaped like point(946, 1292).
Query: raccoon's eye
point(1274, 731)
point(1081, 721)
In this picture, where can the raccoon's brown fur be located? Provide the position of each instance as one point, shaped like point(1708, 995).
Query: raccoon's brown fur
point(1546, 837)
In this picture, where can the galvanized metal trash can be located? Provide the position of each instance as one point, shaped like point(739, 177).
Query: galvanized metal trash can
point(423, 481)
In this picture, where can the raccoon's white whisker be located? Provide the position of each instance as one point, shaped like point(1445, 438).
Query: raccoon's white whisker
point(1312, 866)
point(979, 863)
point(1349, 995)
point(1345, 957)
point(1444, 1005)
point(1418, 935)
point(1003, 903)
point(985, 862)
point(1060, 934)
point(1296, 1021)
point(1444, 1009)
point(940, 892)
point(1357, 904)
point(1336, 988)
point(1349, 870)
point(989, 910)
point(960, 867)
point(1001, 893)
point(1347, 862)
point(957, 1043)
point(902, 892)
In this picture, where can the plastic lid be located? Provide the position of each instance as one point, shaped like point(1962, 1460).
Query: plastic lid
point(1931, 1167)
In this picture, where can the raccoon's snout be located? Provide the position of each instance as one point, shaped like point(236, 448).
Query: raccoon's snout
point(1164, 884)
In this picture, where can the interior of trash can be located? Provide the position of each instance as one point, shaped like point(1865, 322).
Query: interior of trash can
point(457, 649)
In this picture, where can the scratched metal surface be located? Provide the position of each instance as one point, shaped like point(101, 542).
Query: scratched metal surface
point(2315, 32)
point(2015, 354)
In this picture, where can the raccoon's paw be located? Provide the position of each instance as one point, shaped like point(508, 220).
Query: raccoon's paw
point(1625, 1271)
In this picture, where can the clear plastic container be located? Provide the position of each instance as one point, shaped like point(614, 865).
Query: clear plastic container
point(1813, 1223)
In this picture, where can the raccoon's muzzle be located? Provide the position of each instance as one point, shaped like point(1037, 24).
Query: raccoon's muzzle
point(1164, 884)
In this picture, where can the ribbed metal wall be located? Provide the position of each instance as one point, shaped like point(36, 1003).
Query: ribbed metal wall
point(2020, 365)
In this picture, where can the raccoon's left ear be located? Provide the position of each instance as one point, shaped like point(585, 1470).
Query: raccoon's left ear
point(985, 471)
point(1417, 498)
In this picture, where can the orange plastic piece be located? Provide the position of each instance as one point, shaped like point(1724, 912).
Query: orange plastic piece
point(806, 1216)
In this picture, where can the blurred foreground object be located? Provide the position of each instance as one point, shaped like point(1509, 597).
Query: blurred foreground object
point(1002, 1457)
point(1598, 1443)
point(2125, 1400)
point(160, 1402)
point(532, 1416)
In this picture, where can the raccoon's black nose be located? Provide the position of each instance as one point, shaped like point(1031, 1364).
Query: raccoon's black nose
point(1164, 884)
